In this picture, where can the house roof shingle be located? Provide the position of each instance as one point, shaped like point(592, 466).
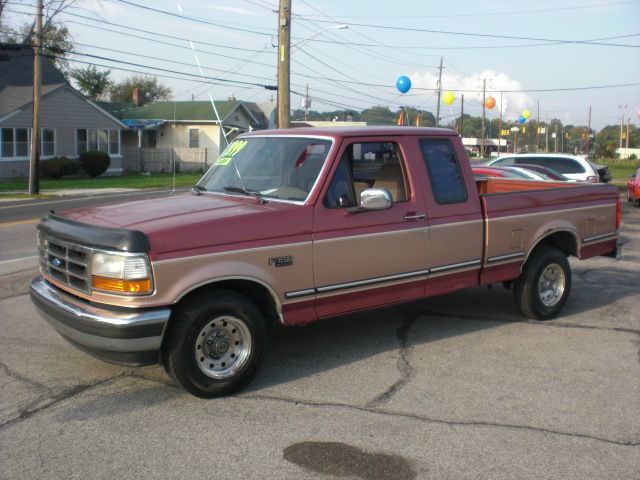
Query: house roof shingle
point(180, 111)
point(16, 77)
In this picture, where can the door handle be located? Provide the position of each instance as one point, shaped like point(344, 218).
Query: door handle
point(414, 216)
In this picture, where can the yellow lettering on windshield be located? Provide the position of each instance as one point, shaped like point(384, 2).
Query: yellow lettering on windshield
point(230, 152)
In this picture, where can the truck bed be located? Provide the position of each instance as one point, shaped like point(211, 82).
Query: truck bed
point(579, 218)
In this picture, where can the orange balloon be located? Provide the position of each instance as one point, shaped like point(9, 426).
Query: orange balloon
point(490, 102)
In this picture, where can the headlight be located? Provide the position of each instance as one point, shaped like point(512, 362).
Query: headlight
point(123, 273)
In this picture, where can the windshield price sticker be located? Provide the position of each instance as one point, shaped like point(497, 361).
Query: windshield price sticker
point(230, 152)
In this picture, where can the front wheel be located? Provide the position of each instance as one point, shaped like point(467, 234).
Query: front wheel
point(215, 344)
point(544, 285)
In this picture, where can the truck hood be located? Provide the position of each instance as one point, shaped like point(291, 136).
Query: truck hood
point(193, 224)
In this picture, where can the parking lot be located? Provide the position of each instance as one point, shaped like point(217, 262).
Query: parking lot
point(452, 387)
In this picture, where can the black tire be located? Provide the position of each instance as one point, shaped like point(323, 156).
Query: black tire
point(229, 335)
point(636, 202)
point(541, 298)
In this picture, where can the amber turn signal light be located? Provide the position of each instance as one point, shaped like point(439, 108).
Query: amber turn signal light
point(121, 286)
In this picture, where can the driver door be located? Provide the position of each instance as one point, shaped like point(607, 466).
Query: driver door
point(371, 258)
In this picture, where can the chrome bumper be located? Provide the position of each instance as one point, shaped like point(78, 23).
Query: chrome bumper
point(122, 336)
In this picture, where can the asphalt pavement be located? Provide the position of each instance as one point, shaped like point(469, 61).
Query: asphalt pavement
point(453, 387)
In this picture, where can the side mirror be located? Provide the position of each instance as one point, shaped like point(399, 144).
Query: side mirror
point(375, 199)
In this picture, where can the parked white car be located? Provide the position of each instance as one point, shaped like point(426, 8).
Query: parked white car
point(571, 166)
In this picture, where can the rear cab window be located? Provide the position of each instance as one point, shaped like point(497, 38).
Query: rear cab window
point(445, 174)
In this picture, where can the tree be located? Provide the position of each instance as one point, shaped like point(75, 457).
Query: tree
point(379, 115)
point(149, 89)
point(92, 82)
point(56, 42)
point(56, 39)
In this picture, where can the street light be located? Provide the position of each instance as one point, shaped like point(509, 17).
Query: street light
point(298, 44)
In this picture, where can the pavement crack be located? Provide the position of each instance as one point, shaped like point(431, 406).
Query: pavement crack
point(404, 366)
point(20, 378)
point(441, 421)
point(45, 403)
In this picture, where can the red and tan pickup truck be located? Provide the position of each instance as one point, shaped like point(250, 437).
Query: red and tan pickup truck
point(293, 226)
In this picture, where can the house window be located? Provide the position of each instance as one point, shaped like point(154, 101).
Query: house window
point(6, 142)
point(194, 138)
point(98, 139)
point(103, 140)
point(81, 140)
point(92, 136)
point(114, 142)
point(48, 142)
point(22, 142)
point(14, 142)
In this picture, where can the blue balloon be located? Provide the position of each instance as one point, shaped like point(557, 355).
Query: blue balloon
point(522, 120)
point(403, 84)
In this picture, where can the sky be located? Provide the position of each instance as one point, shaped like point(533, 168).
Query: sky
point(545, 53)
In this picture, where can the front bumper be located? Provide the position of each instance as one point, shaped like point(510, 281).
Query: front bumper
point(117, 335)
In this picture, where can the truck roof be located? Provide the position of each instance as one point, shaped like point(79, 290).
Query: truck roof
point(356, 131)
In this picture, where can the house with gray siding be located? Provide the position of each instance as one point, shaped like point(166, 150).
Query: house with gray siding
point(70, 122)
point(190, 133)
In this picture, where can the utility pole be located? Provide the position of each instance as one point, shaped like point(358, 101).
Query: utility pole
point(439, 87)
point(34, 160)
point(538, 129)
point(461, 115)
point(306, 104)
point(546, 135)
point(627, 138)
point(622, 110)
point(284, 63)
point(484, 91)
point(500, 126)
point(589, 132)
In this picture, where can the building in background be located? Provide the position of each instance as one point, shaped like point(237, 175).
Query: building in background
point(70, 122)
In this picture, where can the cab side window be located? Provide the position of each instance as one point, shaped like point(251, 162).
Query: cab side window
point(367, 165)
point(447, 182)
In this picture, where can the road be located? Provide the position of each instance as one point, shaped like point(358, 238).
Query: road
point(457, 387)
point(18, 218)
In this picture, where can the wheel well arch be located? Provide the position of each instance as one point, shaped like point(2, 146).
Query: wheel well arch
point(263, 296)
point(565, 240)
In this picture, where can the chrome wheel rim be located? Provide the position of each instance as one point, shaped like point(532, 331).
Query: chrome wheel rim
point(551, 285)
point(222, 347)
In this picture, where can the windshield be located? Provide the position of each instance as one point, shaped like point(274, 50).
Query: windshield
point(272, 167)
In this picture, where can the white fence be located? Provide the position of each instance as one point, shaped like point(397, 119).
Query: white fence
point(162, 159)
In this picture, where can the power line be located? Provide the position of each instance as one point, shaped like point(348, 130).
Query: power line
point(480, 35)
point(489, 14)
point(193, 19)
point(217, 79)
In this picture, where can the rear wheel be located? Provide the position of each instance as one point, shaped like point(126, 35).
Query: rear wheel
point(215, 345)
point(544, 285)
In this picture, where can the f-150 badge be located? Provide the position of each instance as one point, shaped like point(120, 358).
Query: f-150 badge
point(281, 261)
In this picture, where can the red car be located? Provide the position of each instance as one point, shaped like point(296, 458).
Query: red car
point(633, 189)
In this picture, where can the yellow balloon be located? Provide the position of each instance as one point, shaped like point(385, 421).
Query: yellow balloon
point(526, 113)
point(448, 98)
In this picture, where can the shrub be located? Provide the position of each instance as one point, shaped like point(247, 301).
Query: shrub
point(95, 162)
point(58, 167)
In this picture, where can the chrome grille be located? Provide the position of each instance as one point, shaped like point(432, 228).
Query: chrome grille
point(65, 262)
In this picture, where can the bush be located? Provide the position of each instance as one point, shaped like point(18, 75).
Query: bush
point(95, 162)
point(58, 167)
